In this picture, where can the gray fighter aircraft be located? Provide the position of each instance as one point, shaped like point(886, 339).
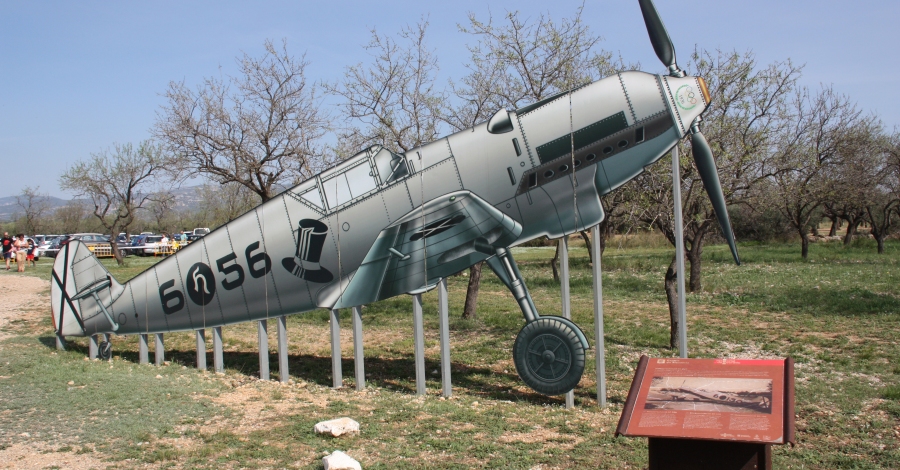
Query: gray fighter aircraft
point(381, 224)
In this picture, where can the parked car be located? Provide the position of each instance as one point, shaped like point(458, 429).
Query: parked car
point(151, 245)
point(51, 247)
point(89, 239)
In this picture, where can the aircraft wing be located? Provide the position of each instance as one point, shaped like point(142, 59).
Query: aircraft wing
point(440, 238)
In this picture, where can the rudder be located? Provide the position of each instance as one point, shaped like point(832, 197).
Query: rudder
point(81, 292)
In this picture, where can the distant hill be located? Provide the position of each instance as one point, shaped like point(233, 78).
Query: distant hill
point(9, 208)
point(187, 198)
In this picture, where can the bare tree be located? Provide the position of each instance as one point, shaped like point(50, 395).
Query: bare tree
point(883, 203)
point(34, 206)
point(806, 152)
point(162, 209)
point(855, 178)
point(391, 101)
point(260, 129)
point(221, 204)
point(69, 218)
point(516, 62)
point(118, 183)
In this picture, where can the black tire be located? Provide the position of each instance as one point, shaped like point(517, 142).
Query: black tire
point(104, 350)
point(549, 356)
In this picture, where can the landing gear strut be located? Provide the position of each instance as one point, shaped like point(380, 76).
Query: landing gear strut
point(549, 352)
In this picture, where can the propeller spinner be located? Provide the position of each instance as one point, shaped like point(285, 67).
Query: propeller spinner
point(702, 153)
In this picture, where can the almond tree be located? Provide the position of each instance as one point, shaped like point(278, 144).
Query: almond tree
point(34, 206)
point(119, 183)
point(883, 204)
point(393, 100)
point(260, 129)
point(806, 152)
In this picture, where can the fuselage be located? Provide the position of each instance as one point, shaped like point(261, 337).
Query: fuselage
point(298, 251)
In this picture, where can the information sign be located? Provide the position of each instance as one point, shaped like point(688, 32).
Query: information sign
point(741, 400)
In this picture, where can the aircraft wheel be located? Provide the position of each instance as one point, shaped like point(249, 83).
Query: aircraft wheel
point(549, 356)
point(104, 350)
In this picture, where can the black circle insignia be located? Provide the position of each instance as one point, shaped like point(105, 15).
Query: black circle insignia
point(200, 284)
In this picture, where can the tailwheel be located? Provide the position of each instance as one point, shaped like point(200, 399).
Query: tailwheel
point(104, 350)
point(549, 356)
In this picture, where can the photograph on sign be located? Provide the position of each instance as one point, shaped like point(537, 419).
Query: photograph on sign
point(722, 395)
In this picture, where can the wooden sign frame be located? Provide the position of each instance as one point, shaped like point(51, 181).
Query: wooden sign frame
point(736, 400)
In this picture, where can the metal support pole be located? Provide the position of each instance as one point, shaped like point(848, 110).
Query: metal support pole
point(218, 359)
point(598, 317)
point(93, 348)
point(201, 349)
point(419, 340)
point(337, 378)
point(444, 320)
point(566, 299)
point(358, 358)
point(262, 331)
point(143, 349)
point(159, 350)
point(61, 342)
point(283, 374)
point(679, 253)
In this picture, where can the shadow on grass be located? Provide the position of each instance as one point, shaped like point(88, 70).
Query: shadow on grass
point(396, 374)
point(840, 302)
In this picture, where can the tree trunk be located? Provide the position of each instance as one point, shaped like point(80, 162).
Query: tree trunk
point(472, 291)
point(835, 225)
point(851, 231)
point(671, 287)
point(114, 245)
point(554, 261)
point(880, 240)
point(804, 244)
point(587, 243)
point(693, 257)
point(604, 234)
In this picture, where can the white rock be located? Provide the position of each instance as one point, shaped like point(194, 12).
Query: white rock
point(337, 427)
point(340, 461)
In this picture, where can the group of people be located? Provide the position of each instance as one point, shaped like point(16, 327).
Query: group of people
point(20, 248)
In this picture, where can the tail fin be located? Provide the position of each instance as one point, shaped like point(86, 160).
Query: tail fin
point(81, 291)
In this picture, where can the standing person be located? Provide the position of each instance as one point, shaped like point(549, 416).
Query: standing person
point(21, 247)
point(7, 242)
point(32, 252)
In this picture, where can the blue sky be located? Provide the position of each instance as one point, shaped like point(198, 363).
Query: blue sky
point(76, 77)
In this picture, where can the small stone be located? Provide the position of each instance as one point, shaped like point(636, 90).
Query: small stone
point(71, 382)
point(337, 427)
point(340, 461)
point(158, 376)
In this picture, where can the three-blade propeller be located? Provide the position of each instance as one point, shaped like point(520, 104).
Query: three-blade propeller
point(702, 153)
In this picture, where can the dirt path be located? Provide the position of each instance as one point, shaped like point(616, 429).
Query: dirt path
point(27, 298)
point(24, 298)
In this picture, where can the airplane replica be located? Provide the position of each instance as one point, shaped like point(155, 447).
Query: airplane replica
point(382, 224)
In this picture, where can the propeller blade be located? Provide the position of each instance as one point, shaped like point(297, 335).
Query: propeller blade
point(659, 37)
point(706, 165)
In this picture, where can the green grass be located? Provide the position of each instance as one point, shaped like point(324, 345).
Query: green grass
point(836, 314)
